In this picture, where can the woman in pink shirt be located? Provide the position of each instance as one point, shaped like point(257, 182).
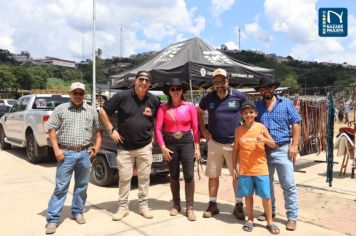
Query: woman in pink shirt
point(176, 128)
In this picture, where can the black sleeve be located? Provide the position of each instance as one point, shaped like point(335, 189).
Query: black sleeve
point(112, 105)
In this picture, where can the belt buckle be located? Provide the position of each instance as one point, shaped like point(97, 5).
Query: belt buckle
point(77, 148)
point(177, 134)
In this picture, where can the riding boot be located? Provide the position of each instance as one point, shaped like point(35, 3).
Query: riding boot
point(189, 197)
point(176, 208)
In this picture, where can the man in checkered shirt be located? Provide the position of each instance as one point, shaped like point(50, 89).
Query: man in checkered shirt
point(71, 128)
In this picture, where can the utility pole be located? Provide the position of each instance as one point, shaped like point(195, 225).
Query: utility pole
point(81, 73)
point(239, 40)
point(94, 58)
point(121, 48)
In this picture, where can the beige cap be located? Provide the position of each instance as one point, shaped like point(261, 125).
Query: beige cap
point(77, 85)
point(219, 71)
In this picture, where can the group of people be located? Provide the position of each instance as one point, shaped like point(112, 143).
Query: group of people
point(265, 140)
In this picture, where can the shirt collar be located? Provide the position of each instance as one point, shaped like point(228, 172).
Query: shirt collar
point(133, 94)
point(83, 106)
point(229, 91)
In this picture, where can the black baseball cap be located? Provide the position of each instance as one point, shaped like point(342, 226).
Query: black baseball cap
point(248, 104)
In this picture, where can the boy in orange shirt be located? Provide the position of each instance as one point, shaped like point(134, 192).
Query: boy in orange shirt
point(249, 153)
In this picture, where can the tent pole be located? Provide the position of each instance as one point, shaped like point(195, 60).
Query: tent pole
point(191, 91)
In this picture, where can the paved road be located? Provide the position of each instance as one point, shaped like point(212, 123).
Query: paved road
point(25, 189)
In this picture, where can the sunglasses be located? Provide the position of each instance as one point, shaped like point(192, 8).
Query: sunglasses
point(144, 80)
point(173, 89)
point(217, 82)
point(78, 94)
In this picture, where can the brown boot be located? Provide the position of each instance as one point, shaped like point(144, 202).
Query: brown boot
point(189, 198)
point(190, 214)
point(175, 210)
point(291, 225)
point(175, 189)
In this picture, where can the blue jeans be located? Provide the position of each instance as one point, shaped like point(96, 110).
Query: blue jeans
point(279, 161)
point(79, 162)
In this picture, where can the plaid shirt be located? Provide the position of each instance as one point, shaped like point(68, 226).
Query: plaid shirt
point(74, 126)
point(279, 120)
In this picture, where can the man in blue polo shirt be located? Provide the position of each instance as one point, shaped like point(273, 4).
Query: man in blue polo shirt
point(223, 105)
point(282, 120)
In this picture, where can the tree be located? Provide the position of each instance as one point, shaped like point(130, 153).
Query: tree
point(7, 79)
point(291, 81)
point(24, 78)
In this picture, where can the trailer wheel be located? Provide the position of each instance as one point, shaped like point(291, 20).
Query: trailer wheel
point(101, 173)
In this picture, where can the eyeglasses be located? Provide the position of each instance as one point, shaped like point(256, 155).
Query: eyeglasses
point(217, 82)
point(263, 89)
point(78, 93)
point(144, 80)
point(173, 89)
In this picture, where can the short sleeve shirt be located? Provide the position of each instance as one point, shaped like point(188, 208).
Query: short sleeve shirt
point(279, 120)
point(74, 126)
point(223, 115)
point(135, 117)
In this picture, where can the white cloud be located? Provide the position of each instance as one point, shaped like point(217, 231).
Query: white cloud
point(56, 27)
point(231, 45)
point(220, 7)
point(352, 45)
point(6, 33)
point(297, 19)
point(255, 30)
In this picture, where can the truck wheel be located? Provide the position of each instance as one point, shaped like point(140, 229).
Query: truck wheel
point(3, 144)
point(101, 173)
point(31, 147)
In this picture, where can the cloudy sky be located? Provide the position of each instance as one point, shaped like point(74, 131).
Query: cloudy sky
point(63, 28)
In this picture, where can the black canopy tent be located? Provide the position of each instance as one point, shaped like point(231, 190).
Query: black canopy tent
point(192, 61)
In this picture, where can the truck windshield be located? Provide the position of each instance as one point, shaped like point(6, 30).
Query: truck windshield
point(49, 103)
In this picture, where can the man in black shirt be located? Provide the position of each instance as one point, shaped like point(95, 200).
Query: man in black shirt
point(136, 110)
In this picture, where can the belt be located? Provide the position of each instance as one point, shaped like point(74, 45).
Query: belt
point(282, 144)
point(74, 148)
point(171, 134)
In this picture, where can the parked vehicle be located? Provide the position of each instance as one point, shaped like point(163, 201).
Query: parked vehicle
point(104, 170)
point(4, 109)
point(7, 102)
point(23, 125)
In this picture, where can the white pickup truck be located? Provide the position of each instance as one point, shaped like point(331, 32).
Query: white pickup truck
point(23, 125)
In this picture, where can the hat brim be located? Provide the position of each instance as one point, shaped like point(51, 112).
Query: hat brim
point(167, 86)
point(276, 83)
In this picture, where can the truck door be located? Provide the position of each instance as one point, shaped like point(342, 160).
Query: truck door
point(15, 120)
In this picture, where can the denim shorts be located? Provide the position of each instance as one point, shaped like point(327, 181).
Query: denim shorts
point(247, 185)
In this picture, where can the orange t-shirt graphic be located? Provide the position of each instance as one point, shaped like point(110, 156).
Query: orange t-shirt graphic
point(253, 158)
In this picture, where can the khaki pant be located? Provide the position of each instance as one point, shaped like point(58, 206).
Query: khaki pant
point(125, 161)
point(217, 153)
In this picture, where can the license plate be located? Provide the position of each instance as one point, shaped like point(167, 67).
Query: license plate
point(157, 158)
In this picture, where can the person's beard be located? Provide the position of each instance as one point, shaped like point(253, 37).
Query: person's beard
point(267, 96)
point(221, 90)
